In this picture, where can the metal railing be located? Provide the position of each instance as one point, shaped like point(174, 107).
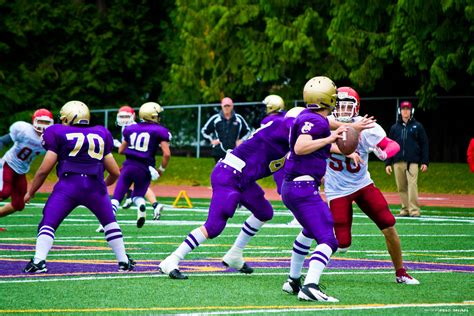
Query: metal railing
point(179, 119)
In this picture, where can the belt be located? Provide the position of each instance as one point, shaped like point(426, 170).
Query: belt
point(304, 178)
point(234, 161)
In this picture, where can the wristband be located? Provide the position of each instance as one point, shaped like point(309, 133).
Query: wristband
point(161, 169)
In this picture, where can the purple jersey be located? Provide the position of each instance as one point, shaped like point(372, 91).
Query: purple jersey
point(313, 164)
point(143, 142)
point(80, 148)
point(274, 116)
point(264, 152)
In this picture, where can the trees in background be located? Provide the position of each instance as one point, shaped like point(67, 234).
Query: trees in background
point(174, 52)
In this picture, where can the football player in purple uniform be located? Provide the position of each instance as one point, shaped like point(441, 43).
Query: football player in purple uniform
point(140, 144)
point(81, 152)
point(310, 142)
point(348, 180)
point(233, 181)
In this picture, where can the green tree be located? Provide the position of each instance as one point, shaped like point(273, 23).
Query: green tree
point(103, 55)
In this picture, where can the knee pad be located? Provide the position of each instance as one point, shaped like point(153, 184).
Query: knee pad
point(265, 217)
point(18, 205)
point(386, 222)
point(214, 229)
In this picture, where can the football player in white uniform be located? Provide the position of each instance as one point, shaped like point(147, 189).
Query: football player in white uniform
point(16, 162)
point(348, 180)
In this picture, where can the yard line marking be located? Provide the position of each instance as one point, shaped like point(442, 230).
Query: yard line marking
point(158, 275)
point(245, 309)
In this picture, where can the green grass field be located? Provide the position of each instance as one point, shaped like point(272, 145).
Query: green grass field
point(82, 277)
point(453, 178)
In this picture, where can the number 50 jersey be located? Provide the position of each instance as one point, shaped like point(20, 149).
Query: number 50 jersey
point(80, 148)
point(143, 141)
point(342, 176)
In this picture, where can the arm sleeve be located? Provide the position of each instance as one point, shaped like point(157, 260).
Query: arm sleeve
point(208, 128)
point(424, 145)
point(5, 140)
point(49, 141)
point(389, 146)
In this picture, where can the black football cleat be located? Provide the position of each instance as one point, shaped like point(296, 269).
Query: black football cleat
point(39, 267)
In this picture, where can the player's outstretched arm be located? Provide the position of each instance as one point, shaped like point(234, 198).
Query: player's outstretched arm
point(44, 169)
point(165, 147)
point(112, 168)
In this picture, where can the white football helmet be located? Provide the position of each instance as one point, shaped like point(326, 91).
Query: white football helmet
point(42, 119)
point(274, 103)
point(125, 116)
point(320, 93)
point(150, 112)
point(74, 112)
point(347, 104)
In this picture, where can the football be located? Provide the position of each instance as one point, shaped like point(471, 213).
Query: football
point(349, 141)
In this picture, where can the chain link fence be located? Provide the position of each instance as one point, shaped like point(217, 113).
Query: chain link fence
point(449, 127)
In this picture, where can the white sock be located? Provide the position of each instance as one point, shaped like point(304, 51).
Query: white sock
point(115, 205)
point(319, 259)
point(114, 237)
point(251, 226)
point(194, 239)
point(139, 201)
point(301, 248)
point(44, 242)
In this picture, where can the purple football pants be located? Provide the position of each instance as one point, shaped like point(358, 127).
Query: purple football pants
point(227, 192)
point(74, 190)
point(130, 173)
point(303, 200)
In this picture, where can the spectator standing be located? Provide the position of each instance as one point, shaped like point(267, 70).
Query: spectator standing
point(414, 152)
point(225, 130)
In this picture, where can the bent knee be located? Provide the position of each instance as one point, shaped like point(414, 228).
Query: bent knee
point(18, 205)
point(214, 229)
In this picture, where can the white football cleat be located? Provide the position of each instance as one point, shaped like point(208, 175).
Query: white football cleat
point(234, 259)
point(312, 292)
point(157, 211)
point(128, 202)
point(100, 229)
point(405, 278)
point(169, 266)
point(141, 215)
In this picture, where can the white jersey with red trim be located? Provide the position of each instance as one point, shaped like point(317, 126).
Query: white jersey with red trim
point(342, 176)
point(27, 145)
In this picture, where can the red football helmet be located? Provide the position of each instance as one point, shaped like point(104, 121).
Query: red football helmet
point(347, 104)
point(125, 116)
point(42, 119)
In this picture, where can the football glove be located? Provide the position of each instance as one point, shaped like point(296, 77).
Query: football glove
point(154, 173)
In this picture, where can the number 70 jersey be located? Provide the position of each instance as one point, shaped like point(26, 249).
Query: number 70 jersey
point(80, 148)
point(342, 176)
